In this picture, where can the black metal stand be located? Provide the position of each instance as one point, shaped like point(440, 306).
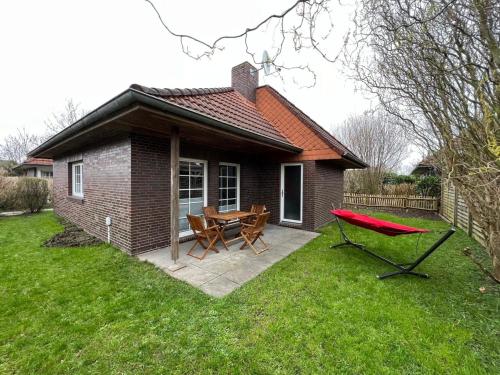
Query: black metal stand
point(403, 269)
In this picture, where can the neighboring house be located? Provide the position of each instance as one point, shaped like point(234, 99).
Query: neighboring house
point(238, 145)
point(35, 167)
point(427, 167)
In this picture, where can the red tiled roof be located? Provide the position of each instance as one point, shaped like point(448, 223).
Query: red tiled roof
point(314, 126)
point(37, 161)
point(224, 104)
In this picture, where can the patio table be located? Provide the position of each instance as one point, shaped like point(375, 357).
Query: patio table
point(230, 217)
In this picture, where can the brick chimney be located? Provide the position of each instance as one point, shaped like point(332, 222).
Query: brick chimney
point(245, 80)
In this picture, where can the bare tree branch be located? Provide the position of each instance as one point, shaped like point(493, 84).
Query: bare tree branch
point(377, 138)
point(297, 27)
point(61, 120)
point(16, 146)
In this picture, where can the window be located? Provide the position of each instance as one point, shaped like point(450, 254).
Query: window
point(192, 191)
point(77, 179)
point(229, 187)
point(46, 174)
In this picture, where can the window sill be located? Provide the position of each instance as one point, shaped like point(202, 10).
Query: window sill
point(78, 200)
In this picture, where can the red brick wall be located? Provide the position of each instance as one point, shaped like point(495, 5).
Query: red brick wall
point(150, 224)
point(150, 192)
point(310, 190)
point(268, 186)
point(248, 172)
point(245, 79)
point(106, 188)
point(330, 189)
point(129, 180)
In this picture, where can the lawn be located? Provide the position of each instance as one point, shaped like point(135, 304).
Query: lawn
point(97, 310)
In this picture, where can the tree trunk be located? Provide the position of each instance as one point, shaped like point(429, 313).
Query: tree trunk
point(483, 205)
point(493, 246)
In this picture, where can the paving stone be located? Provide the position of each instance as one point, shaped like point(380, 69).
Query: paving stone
point(219, 287)
point(194, 275)
point(220, 267)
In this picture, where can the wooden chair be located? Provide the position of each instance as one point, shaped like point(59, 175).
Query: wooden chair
point(257, 209)
point(202, 233)
point(208, 211)
point(253, 232)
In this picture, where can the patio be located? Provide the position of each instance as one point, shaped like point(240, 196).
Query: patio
point(221, 273)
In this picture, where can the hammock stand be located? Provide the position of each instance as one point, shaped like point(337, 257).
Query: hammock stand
point(390, 229)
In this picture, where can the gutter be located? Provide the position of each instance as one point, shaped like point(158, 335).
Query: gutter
point(132, 96)
point(355, 160)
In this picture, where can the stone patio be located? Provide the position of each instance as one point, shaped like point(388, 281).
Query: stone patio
point(220, 274)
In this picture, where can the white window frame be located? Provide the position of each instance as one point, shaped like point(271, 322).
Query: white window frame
point(73, 180)
point(237, 183)
point(205, 188)
point(282, 192)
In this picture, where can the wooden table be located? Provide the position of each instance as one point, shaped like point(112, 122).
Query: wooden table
point(229, 217)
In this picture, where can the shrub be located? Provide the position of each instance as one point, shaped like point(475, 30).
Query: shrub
point(32, 193)
point(8, 193)
point(399, 189)
point(50, 198)
point(429, 185)
point(397, 179)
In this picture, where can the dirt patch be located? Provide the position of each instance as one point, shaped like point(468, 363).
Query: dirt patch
point(72, 237)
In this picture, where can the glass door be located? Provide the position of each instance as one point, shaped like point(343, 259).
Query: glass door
point(192, 191)
point(291, 192)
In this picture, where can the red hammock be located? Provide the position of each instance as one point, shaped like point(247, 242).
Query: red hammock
point(390, 229)
point(385, 227)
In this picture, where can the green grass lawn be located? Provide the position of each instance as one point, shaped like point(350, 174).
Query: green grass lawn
point(97, 310)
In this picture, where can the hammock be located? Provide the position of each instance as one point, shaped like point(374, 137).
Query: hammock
point(381, 226)
point(390, 229)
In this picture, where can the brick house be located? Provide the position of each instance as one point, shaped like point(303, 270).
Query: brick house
point(35, 167)
point(231, 146)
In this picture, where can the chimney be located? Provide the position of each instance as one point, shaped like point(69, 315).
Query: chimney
point(245, 80)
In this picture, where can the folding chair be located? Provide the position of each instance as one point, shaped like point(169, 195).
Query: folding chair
point(253, 232)
point(208, 211)
point(256, 209)
point(203, 233)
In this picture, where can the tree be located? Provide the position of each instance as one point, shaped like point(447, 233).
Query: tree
point(378, 140)
point(436, 66)
point(304, 25)
point(16, 146)
point(6, 167)
point(68, 116)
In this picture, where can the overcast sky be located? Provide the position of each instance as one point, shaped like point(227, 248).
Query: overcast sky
point(91, 50)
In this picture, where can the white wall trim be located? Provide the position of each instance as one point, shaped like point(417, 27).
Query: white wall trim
point(237, 181)
point(73, 166)
point(205, 187)
point(282, 192)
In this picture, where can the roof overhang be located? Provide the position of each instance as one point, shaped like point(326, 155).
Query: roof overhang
point(31, 165)
point(130, 99)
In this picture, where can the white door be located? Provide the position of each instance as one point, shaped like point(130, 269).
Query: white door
point(192, 191)
point(291, 192)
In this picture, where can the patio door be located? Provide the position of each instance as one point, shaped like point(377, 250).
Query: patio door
point(192, 191)
point(291, 192)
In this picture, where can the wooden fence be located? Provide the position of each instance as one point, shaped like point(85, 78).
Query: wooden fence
point(392, 201)
point(454, 210)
